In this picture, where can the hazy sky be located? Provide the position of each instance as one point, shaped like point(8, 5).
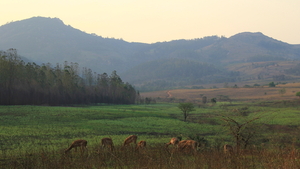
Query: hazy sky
point(164, 20)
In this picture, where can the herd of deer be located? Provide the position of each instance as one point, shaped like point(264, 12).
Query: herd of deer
point(107, 142)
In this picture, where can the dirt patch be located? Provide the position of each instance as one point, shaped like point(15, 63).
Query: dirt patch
point(169, 94)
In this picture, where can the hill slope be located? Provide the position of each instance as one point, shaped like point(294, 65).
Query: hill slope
point(44, 40)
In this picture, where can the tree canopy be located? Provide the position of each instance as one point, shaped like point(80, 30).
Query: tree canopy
point(272, 84)
point(28, 83)
point(186, 108)
point(298, 94)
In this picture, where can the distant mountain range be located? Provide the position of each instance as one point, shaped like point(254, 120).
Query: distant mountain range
point(153, 66)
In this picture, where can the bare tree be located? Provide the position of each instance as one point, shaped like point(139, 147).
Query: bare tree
point(241, 131)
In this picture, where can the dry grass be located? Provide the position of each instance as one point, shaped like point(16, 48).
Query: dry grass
point(235, 94)
point(268, 69)
point(156, 157)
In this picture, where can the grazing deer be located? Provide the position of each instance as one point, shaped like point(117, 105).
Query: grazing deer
point(78, 143)
point(141, 144)
point(188, 144)
point(108, 143)
point(174, 141)
point(130, 139)
point(228, 149)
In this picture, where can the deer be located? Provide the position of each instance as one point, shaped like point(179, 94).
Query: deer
point(78, 143)
point(228, 149)
point(108, 143)
point(188, 144)
point(130, 139)
point(141, 144)
point(174, 141)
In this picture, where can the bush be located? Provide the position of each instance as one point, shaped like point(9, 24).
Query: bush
point(298, 94)
point(272, 84)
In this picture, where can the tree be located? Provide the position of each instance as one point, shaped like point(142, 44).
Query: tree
point(186, 108)
point(242, 132)
point(298, 94)
point(10, 66)
point(272, 84)
point(148, 100)
point(30, 83)
point(204, 99)
point(213, 100)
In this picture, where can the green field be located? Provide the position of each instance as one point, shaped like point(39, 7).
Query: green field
point(27, 127)
point(32, 129)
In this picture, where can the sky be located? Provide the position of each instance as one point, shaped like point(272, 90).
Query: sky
point(150, 21)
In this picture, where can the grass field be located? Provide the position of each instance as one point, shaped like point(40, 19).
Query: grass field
point(36, 136)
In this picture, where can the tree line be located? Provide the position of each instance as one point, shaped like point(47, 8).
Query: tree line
point(31, 84)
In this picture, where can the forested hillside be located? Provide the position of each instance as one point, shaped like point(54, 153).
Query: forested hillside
point(175, 72)
point(31, 84)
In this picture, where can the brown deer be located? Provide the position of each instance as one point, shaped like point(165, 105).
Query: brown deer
point(188, 145)
point(228, 149)
point(130, 139)
point(141, 144)
point(78, 143)
point(108, 143)
point(174, 141)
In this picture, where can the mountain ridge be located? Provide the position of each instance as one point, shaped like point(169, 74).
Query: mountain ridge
point(49, 40)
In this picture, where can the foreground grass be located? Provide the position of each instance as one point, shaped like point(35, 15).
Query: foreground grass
point(154, 157)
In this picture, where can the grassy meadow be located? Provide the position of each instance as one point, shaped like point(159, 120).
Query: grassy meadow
point(36, 136)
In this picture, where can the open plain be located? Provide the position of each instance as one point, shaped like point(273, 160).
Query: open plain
point(267, 119)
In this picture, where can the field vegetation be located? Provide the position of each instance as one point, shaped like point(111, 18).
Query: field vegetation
point(36, 136)
point(246, 92)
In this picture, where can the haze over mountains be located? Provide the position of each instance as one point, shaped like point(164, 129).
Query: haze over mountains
point(156, 66)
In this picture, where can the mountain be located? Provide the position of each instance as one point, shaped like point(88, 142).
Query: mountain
point(249, 47)
point(44, 40)
point(175, 63)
